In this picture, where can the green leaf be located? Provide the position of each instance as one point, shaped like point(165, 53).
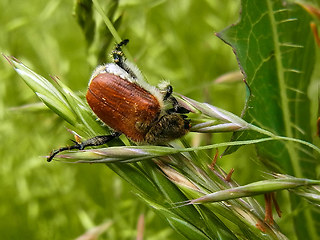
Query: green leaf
point(275, 50)
point(60, 99)
point(188, 230)
point(45, 90)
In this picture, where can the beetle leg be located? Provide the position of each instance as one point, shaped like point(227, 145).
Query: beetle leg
point(119, 58)
point(118, 55)
point(168, 94)
point(95, 141)
point(176, 107)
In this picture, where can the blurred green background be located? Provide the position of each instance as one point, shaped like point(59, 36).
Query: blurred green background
point(173, 40)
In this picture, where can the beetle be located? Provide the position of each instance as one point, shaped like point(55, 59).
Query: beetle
point(121, 98)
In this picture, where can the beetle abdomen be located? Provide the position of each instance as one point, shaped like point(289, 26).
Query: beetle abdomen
point(122, 105)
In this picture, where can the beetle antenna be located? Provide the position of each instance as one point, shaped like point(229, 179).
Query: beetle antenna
point(95, 141)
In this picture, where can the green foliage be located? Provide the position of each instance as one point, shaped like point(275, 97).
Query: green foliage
point(275, 49)
point(186, 176)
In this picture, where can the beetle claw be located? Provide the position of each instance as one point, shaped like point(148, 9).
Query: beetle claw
point(95, 141)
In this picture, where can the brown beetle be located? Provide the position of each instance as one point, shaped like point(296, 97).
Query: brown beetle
point(120, 97)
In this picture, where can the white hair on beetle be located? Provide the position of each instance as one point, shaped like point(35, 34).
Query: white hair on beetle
point(97, 71)
point(163, 85)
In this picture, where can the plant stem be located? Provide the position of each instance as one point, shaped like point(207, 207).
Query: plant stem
point(275, 137)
